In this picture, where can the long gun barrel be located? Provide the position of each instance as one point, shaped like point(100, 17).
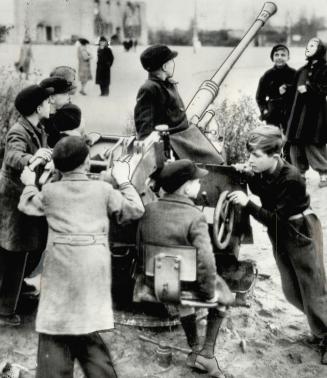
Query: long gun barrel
point(208, 90)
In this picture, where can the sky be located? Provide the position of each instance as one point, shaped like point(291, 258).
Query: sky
point(212, 14)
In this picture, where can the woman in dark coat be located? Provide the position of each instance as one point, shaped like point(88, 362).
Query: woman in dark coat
point(307, 125)
point(105, 60)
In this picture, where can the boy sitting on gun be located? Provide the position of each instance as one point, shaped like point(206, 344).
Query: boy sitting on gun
point(174, 220)
point(293, 228)
point(75, 302)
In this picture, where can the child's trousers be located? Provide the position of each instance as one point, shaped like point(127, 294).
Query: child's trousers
point(298, 251)
point(56, 355)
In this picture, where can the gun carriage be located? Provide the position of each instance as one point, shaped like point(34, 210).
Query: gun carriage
point(228, 225)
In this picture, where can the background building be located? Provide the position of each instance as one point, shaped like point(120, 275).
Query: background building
point(46, 21)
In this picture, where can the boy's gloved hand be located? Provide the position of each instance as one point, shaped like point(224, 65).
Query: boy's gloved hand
point(43, 153)
point(302, 88)
point(282, 89)
point(28, 177)
point(238, 198)
point(120, 172)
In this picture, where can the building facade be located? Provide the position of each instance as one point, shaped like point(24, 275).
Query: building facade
point(55, 21)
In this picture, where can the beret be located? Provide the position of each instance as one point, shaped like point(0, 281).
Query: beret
point(30, 98)
point(67, 73)
point(278, 47)
point(68, 117)
point(59, 84)
point(155, 56)
point(175, 174)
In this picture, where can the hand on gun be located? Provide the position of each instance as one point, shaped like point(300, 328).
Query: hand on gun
point(28, 176)
point(243, 167)
point(238, 198)
point(117, 175)
point(41, 156)
point(120, 172)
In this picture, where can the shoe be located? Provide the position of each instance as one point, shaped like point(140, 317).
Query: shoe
point(205, 364)
point(12, 370)
point(29, 290)
point(82, 93)
point(323, 351)
point(313, 340)
point(10, 320)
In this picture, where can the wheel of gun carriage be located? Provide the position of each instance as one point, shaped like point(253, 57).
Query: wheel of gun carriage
point(223, 222)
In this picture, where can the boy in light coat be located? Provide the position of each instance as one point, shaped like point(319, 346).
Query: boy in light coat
point(75, 301)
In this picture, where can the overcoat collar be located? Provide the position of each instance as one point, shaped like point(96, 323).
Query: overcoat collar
point(33, 133)
point(177, 198)
point(170, 80)
point(74, 176)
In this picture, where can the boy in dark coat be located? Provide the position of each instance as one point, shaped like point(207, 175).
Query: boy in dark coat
point(158, 101)
point(104, 63)
point(174, 220)
point(22, 238)
point(293, 228)
point(307, 125)
point(274, 89)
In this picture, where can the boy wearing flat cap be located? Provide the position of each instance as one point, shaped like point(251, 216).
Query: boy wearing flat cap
point(293, 228)
point(158, 101)
point(61, 91)
point(22, 238)
point(274, 95)
point(63, 115)
point(75, 302)
point(174, 220)
point(68, 73)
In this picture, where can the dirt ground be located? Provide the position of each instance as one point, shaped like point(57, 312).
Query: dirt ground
point(272, 331)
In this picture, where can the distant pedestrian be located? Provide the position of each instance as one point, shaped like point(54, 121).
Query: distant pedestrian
point(84, 64)
point(25, 57)
point(104, 63)
point(307, 126)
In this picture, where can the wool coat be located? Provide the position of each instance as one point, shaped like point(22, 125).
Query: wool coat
point(159, 103)
point(18, 232)
point(84, 64)
point(308, 118)
point(105, 60)
point(275, 107)
point(174, 220)
point(25, 57)
point(76, 280)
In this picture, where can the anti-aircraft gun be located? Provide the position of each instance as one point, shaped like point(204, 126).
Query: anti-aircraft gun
point(228, 225)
